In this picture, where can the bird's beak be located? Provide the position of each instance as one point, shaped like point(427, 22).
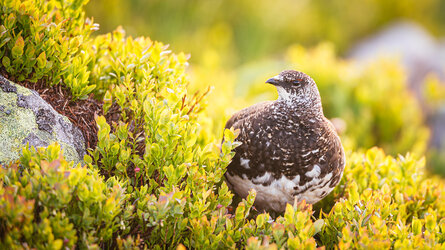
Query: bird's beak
point(274, 80)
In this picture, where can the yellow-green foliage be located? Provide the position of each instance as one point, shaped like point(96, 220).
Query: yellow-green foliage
point(47, 202)
point(247, 30)
point(381, 201)
point(156, 176)
point(387, 203)
point(42, 39)
point(171, 174)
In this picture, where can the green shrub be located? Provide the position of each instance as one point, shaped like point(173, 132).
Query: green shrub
point(47, 202)
point(388, 203)
point(381, 201)
point(155, 178)
point(171, 171)
point(46, 39)
point(244, 31)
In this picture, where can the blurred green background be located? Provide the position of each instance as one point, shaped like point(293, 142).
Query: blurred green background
point(246, 30)
point(392, 101)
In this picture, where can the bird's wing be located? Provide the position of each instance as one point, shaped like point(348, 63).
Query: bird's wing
point(334, 155)
point(267, 149)
point(319, 156)
point(245, 113)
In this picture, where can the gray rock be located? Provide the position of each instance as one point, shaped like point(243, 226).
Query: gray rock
point(438, 130)
point(26, 118)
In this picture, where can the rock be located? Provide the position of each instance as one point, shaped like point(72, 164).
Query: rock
point(26, 118)
point(438, 129)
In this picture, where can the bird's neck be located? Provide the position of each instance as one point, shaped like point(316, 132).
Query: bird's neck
point(301, 104)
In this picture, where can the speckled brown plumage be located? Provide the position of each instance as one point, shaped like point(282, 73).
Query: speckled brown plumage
point(289, 149)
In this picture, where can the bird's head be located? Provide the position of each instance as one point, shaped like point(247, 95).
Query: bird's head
point(295, 85)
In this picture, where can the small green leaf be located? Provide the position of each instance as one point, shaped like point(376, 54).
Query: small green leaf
point(57, 244)
point(87, 159)
point(30, 51)
point(107, 101)
point(10, 21)
point(430, 222)
point(353, 193)
point(41, 60)
point(6, 61)
point(17, 50)
point(115, 149)
point(318, 225)
point(260, 220)
point(416, 226)
point(4, 41)
point(88, 89)
point(239, 213)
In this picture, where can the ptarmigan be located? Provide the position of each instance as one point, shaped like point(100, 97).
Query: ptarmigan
point(289, 149)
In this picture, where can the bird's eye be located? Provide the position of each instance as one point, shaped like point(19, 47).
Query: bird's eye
point(299, 80)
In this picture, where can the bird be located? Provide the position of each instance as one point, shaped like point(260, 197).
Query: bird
point(288, 149)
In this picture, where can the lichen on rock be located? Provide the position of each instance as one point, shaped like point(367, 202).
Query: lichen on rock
point(25, 118)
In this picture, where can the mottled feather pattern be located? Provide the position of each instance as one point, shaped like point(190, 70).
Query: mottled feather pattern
point(289, 149)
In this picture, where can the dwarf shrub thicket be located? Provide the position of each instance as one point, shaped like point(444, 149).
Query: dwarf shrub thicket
point(155, 178)
point(46, 40)
point(381, 201)
point(47, 202)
